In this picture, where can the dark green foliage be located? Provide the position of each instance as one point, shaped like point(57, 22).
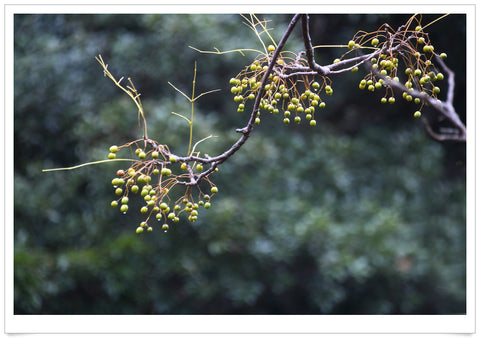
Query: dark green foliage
point(362, 214)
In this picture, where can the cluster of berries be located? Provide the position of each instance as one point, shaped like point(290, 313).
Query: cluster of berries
point(282, 92)
point(151, 177)
point(417, 54)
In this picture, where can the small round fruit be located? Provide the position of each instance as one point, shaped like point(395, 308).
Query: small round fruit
point(118, 191)
point(214, 190)
point(125, 200)
point(207, 205)
point(383, 100)
point(443, 56)
point(124, 208)
point(375, 42)
point(313, 123)
point(315, 85)
point(257, 120)
point(417, 114)
point(297, 119)
point(417, 100)
point(183, 166)
point(120, 172)
point(114, 204)
point(163, 206)
point(166, 172)
point(158, 216)
point(165, 227)
point(351, 44)
point(436, 90)
point(111, 156)
point(113, 149)
point(391, 99)
point(286, 121)
point(144, 210)
point(149, 229)
point(199, 167)
point(271, 48)
point(155, 154)
point(139, 230)
point(142, 155)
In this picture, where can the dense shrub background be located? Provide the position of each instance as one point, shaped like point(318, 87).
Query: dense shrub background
point(364, 214)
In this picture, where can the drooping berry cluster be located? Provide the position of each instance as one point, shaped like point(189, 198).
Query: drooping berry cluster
point(152, 175)
point(296, 95)
point(417, 71)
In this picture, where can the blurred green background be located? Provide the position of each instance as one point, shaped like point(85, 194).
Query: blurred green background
point(364, 214)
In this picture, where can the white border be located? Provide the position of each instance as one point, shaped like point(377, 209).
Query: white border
point(231, 323)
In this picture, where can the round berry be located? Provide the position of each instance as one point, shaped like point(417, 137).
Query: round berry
point(199, 167)
point(158, 216)
point(375, 42)
point(139, 230)
point(113, 149)
point(124, 208)
point(286, 121)
point(271, 48)
point(125, 200)
point(214, 190)
point(144, 210)
point(166, 172)
point(313, 123)
point(383, 100)
point(142, 155)
point(297, 119)
point(155, 154)
point(436, 90)
point(165, 227)
point(118, 191)
point(443, 56)
point(391, 99)
point(418, 28)
point(417, 114)
point(114, 204)
point(111, 156)
point(351, 44)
